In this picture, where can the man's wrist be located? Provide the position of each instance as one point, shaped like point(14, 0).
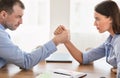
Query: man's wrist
point(55, 41)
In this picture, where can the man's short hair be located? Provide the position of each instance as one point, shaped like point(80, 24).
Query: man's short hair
point(7, 5)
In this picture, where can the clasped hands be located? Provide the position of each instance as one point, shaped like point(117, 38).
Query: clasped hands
point(62, 35)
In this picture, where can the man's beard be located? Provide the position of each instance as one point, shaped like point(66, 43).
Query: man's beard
point(7, 26)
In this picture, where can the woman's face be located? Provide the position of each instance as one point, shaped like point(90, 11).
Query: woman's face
point(103, 23)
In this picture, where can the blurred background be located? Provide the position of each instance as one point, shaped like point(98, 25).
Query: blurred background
point(42, 17)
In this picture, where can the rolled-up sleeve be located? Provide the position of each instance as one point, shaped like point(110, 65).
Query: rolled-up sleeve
point(93, 54)
point(11, 53)
point(39, 54)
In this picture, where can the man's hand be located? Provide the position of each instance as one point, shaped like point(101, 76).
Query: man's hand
point(59, 30)
point(62, 35)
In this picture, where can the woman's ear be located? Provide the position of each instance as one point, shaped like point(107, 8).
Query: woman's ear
point(110, 19)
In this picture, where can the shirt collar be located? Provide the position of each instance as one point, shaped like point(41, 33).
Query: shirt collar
point(111, 39)
point(2, 27)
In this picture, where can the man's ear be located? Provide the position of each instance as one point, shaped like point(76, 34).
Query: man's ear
point(3, 14)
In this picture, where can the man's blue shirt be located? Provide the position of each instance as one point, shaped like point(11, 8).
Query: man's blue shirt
point(11, 53)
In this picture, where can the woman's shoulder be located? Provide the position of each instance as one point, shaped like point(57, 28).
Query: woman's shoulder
point(117, 38)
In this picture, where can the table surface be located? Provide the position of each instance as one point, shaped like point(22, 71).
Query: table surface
point(98, 69)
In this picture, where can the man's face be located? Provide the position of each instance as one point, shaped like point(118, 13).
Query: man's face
point(13, 20)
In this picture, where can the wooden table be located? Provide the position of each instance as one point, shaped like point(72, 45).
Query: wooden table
point(99, 69)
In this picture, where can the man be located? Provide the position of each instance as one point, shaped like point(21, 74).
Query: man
point(11, 12)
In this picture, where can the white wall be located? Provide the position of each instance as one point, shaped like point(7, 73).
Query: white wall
point(83, 32)
point(59, 14)
point(36, 25)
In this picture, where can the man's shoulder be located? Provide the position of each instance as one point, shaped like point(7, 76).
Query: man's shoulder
point(2, 32)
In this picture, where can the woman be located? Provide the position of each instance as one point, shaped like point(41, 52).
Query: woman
point(107, 18)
